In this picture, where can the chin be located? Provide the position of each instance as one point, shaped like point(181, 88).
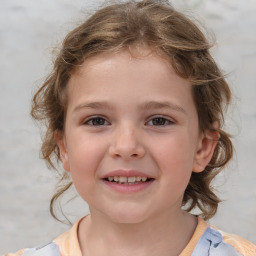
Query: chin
point(122, 212)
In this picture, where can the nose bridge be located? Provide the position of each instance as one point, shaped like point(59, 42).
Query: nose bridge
point(126, 135)
point(127, 141)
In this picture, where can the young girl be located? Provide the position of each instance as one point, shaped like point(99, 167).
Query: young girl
point(134, 111)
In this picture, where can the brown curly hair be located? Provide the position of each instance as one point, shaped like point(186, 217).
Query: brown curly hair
point(157, 25)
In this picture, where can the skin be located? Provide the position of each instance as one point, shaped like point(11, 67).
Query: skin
point(162, 142)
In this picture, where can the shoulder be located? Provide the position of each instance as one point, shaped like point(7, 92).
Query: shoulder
point(64, 245)
point(217, 242)
point(210, 240)
point(50, 249)
point(240, 244)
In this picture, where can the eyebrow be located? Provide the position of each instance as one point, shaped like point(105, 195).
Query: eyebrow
point(93, 105)
point(162, 105)
point(150, 105)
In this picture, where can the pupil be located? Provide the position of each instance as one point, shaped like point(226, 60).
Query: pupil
point(159, 121)
point(98, 121)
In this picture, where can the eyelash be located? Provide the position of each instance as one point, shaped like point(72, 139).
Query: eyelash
point(98, 118)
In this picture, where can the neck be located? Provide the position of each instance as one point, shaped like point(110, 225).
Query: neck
point(165, 234)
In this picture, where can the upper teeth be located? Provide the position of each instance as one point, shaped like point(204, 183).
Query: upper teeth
point(123, 179)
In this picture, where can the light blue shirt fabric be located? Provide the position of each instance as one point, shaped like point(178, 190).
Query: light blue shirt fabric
point(51, 249)
point(211, 244)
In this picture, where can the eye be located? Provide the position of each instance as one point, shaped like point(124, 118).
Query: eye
point(96, 121)
point(160, 121)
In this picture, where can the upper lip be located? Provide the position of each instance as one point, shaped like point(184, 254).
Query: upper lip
point(126, 173)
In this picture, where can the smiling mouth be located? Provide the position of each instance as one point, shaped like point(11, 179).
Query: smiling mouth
point(128, 180)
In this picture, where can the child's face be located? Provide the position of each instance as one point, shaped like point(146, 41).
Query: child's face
point(131, 118)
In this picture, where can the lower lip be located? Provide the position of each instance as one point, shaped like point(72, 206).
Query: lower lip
point(124, 188)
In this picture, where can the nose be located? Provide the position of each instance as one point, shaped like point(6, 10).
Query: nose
point(127, 143)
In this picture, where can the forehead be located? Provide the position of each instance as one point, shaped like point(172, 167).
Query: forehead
point(128, 54)
point(142, 70)
point(141, 57)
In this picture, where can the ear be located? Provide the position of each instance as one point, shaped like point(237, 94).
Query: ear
point(206, 146)
point(61, 142)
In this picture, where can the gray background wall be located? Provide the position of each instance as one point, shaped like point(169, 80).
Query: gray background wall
point(28, 30)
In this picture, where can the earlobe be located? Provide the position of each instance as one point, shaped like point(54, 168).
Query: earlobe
point(206, 147)
point(61, 142)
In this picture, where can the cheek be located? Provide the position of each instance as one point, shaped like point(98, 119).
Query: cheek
point(85, 155)
point(176, 149)
point(175, 156)
point(84, 162)
point(176, 166)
